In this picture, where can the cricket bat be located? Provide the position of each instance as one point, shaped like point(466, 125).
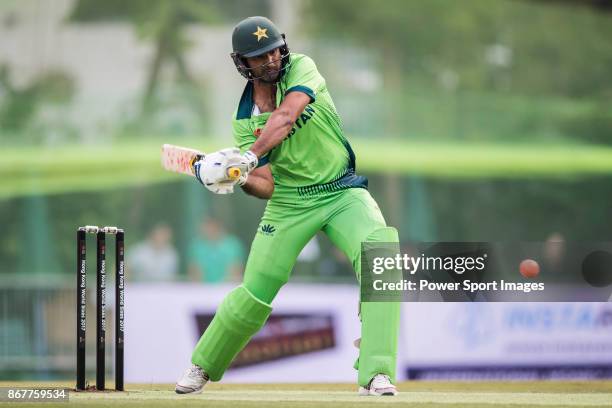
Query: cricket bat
point(181, 160)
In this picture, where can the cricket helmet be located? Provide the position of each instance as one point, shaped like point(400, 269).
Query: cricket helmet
point(255, 36)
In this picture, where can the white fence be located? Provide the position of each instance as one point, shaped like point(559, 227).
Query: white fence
point(309, 338)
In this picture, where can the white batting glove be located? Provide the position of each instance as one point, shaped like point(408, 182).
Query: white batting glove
point(248, 162)
point(242, 179)
point(212, 170)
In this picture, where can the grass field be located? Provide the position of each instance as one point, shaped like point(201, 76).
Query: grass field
point(413, 394)
point(32, 170)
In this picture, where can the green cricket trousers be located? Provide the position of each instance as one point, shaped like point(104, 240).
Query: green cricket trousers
point(348, 217)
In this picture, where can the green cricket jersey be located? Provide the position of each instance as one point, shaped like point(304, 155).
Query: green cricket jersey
point(315, 158)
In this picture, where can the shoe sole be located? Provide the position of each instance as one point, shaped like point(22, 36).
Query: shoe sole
point(186, 390)
point(364, 392)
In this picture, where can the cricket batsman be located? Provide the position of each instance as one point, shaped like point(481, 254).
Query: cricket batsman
point(293, 153)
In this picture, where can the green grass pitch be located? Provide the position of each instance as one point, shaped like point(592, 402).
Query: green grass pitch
point(511, 394)
point(30, 170)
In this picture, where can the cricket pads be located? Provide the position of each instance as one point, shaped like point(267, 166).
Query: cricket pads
point(379, 328)
point(238, 318)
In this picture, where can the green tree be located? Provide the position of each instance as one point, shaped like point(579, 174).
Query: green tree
point(20, 104)
point(163, 23)
point(555, 47)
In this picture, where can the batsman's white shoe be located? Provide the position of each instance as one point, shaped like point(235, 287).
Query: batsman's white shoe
point(379, 385)
point(192, 381)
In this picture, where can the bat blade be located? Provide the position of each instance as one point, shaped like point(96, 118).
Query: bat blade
point(179, 159)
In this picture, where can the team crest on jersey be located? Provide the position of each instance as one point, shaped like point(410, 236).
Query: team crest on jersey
point(267, 229)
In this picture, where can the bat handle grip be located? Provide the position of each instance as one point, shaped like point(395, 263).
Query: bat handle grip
point(234, 173)
point(195, 159)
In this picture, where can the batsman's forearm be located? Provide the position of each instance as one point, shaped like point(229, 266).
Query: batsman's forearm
point(276, 130)
point(259, 187)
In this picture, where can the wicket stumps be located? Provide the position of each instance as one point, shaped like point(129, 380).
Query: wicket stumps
point(100, 304)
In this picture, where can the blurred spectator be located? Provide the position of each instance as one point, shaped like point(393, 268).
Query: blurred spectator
point(555, 260)
point(554, 250)
point(215, 256)
point(337, 265)
point(155, 259)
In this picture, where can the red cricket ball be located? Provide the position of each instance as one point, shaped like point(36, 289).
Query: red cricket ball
point(529, 268)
